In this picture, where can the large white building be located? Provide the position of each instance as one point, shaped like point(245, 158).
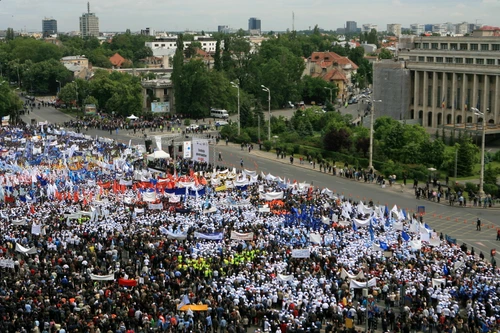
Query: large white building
point(394, 28)
point(367, 27)
point(451, 75)
point(167, 45)
point(417, 28)
point(89, 24)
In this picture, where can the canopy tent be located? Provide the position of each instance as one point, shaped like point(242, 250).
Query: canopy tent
point(132, 117)
point(158, 155)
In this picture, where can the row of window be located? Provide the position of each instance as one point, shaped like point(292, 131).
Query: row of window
point(458, 46)
point(455, 60)
point(174, 44)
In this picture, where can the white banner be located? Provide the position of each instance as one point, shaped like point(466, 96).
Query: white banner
point(149, 196)
point(172, 235)
point(139, 210)
point(155, 206)
point(6, 263)
point(214, 236)
point(201, 151)
point(158, 142)
point(344, 274)
point(272, 196)
point(285, 278)
point(398, 225)
point(25, 250)
point(36, 228)
point(20, 222)
point(315, 238)
point(109, 277)
point(438, 282)
point(242, 236)
point(126, 182)
point(186, 150)
point(358, 285)
point(301, 253)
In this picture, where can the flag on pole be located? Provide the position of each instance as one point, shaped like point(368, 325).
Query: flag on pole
point(354, 227)
point(184, 301)
point(443, 103)
point(405, 236)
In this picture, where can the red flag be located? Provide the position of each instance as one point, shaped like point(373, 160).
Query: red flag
point(32, 209)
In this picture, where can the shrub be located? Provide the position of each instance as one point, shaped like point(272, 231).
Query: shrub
point(267, 145)
point(490, 189)
point(187, 122)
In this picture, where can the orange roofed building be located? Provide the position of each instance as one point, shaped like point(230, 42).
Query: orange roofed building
point(331, 67)
point(118, 61)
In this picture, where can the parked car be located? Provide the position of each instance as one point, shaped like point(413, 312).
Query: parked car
point(221, 123)
point(193, 127)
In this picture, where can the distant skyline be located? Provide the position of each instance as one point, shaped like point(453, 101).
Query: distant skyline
point(275, 15)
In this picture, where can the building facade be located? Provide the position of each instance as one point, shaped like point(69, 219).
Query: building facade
point(417, 28)
point(254, 24)
point(89, 24)
point(450, 75)
point(351, 26)
point(394, 28)
point(167, 45)
point(49, 27)
point(367, 27)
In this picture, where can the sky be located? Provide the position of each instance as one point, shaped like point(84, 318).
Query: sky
point(197, 15)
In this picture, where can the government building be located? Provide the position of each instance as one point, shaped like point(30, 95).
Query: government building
point(438, 80)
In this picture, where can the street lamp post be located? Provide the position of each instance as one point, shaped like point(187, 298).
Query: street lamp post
point(370, 162)
point(239, 120)
point(331, 94)
point(59, 91)
point(264, 88)
point(483, 139)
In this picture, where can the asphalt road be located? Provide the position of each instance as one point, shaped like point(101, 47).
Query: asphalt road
point(455, 221)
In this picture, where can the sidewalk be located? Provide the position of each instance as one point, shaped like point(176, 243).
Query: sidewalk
point(397, 187)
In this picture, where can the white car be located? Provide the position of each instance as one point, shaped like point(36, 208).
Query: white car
point(193, 127)
point(221, 123)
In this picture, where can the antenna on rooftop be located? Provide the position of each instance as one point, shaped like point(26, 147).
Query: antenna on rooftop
point(293, 21)
point(88, 7)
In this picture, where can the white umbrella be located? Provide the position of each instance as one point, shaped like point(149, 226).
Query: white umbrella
point(132, 117)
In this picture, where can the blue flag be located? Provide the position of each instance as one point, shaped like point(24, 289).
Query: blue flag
point(445, 270)
point(383, 245)
point(405, 236)
point(386, 213)
point(404, 214)
point(370, 230)
point(354, 227)
point(427, 226)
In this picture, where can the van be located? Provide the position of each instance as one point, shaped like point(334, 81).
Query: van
point(217, 113)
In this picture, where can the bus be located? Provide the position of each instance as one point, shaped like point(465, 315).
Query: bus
point(217, 113)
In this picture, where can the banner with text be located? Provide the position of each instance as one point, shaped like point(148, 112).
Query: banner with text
point(201, 151)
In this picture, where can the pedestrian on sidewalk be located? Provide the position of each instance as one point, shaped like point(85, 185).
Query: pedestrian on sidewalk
point(478, 225)
point(498, 234)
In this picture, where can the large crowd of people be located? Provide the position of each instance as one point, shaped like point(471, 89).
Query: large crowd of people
point(92, 241)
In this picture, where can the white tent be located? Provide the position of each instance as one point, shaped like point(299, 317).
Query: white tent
point(158, 155)
point(132, 117)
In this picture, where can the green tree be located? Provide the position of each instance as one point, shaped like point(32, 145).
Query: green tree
point(385, 54)
point(337, 139)
point(217, 56)
point(177, 70)
point(10, 103)
point(467, 157)
point(313, 89)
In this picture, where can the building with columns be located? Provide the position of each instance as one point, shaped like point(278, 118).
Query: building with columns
point(451, 75)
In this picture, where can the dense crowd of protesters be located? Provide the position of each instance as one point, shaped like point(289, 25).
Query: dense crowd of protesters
point(228, 248)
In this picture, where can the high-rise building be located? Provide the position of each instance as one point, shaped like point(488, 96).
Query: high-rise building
point(89, 24)
point(417, 29)
point(49, 27)
point(147, 32)
point(394, 28)
point(351, 26)
point(223, 29)
point(367, 27)
point(254, 25)
point(462, 28)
